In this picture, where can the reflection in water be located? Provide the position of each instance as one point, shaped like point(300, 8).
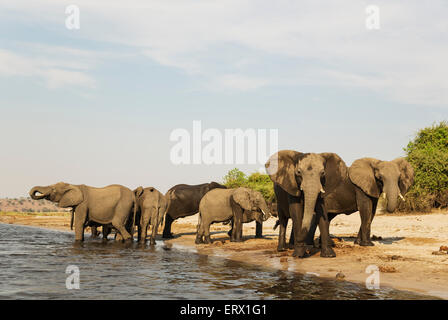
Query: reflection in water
point(33, 263)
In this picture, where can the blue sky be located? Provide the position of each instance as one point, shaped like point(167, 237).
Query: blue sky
point(97, 105)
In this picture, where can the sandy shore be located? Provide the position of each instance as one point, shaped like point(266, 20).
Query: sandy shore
point(404, 250)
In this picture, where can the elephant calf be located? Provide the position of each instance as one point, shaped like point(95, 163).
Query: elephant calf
point(221, 205)
point(151, 207)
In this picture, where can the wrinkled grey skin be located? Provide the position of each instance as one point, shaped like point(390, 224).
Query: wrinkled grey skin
point(221, 205)
point(301, 183)
point(112, 205)
point(183, 200)
point(371, 178)
point(313, 188)
point(151, 208)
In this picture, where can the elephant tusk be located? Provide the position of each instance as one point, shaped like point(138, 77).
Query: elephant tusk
point(401, 196)
point(322, 190)
point(384, 195)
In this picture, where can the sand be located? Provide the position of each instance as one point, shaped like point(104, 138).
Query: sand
point(406, 252)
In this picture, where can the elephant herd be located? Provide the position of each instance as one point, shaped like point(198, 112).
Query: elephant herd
point(310, 188)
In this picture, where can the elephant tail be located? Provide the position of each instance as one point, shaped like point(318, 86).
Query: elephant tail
point(134, 213)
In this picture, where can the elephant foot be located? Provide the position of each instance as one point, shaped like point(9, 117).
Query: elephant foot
point(198, 240)
point(327, 252)
point(366, 243)
point(207, 240)
point(299, 251)
point(281, 248)
point(152, 242)
point(236, 240)
point(128, 240)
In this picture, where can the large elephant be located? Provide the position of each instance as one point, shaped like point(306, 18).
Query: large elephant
point(372, 177)
point(183, 200)
point(221, 205)
point(151, 207)
point(113, 205)
point(313, 188)
point(302, 184)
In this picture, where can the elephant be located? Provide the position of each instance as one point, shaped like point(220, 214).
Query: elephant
point(314, 188)
point(151, 208)
point(371, 178)
point(221, 205)
point(113, 205)
point(302, 183)
point(93, 227)
point(183, 200)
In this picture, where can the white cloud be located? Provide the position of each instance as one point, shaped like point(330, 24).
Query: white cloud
point(55, 72)
point(240, 44)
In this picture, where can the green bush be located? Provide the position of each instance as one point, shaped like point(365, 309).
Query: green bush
point(256, 181)
point(428, 155)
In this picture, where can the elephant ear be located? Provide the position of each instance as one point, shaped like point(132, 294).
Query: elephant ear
point(335, 171)
point(138, 192)
point(73, 196)
point(242, 197)
point(281, 168)
point(406, 175)
point(362, 174)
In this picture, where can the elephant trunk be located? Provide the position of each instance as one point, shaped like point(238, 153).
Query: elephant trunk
point(72, 218)
point(265, 210)
point(44, 192)
point(309, 208)
point(391, 192)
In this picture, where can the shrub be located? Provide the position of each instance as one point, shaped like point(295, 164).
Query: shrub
point(428, 155)
point(257, 181)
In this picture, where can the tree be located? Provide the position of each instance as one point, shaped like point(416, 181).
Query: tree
point(257, 181)
point(428, 155)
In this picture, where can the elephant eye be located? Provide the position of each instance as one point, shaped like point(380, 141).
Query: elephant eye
point(322, 174)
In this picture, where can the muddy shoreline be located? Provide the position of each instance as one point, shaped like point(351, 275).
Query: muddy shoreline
point(403, 252)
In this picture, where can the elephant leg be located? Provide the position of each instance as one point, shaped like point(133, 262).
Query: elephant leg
point(237, 223)
point(324, 228)
point(95, 232)
point(154, 227)
point(291, 239)
point(206, 233)
point(258, 230)
point(296, 213)
point(365, 212)
point(106, 232)
point(80, 220)
point(283, 222)
point(231, 229)
point(200, 232)
point(374, 205)
point(119, 224)
point(143, 230)
point(167, 229)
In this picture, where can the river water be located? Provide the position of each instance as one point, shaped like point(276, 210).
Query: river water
point(33, 264)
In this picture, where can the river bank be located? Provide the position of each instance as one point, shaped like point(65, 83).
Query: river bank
point(406, 249)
